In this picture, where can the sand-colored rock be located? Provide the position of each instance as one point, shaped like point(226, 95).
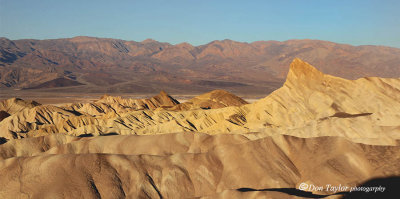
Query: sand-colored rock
point(187, 166)
point(15, 105)
point(211, 100)
point(362, 110)
point(116, 105)
point(42, 118)
point(314, 104)
point(318, 129)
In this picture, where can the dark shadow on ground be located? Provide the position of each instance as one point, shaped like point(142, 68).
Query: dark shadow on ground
point(289, 191)
point(391, 185)
point(108, 134)
point(348, 115)
point(391, 191)
point(85, 135)
point(3, 140)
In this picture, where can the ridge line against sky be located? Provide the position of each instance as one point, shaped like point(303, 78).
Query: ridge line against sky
point(203, 43)
point(367, 22)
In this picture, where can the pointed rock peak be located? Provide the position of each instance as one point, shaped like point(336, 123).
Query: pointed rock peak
point(301, 70)
point(165, 99)
point(163, 93)
point(299, 66)
point(104, 96)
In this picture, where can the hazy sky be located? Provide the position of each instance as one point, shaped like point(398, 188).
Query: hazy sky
point(356, 22)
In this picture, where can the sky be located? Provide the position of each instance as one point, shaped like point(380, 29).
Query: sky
point(356, 22)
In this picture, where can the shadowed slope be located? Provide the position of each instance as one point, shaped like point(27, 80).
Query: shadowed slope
point(316, 129)
point(113, 65)
point(211, 100)
point(59, 82)
point(3, 115)
point(15, 105)
point(309, 104)
point(117, 105)
point(186, 165)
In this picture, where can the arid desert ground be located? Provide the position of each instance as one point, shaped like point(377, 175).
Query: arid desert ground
point(307, 138)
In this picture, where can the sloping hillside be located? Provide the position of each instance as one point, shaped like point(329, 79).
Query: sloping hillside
point(316, 129)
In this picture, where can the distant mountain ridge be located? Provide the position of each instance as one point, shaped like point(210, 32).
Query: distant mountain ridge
point(315, 129)
point(113, 65)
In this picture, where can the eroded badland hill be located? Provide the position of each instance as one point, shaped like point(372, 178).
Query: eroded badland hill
point(316, 129)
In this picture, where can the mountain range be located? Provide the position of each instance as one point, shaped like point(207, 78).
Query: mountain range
point(98, 65)
point(316, 129)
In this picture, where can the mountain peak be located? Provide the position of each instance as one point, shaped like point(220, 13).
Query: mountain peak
point(185, 45)
point(148, 41)
point(165, 99)
point(303, 71)
point(4, 39)
point(83, 39)
point(163, 93)
point(301, 67)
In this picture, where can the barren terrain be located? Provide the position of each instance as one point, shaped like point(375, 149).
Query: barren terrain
point(100, 65)
point(316, 129)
